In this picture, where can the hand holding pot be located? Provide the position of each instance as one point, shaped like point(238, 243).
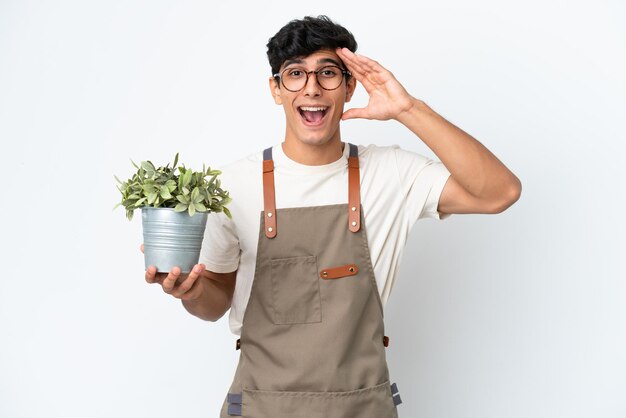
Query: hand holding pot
point(185, 286)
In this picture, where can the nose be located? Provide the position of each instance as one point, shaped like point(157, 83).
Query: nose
point(312, 87)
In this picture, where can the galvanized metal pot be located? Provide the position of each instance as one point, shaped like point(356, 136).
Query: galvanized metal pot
point(172, 238)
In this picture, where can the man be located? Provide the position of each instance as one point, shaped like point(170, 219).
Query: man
point(310, 281)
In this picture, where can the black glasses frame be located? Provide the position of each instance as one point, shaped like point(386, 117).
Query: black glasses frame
point(344, 73)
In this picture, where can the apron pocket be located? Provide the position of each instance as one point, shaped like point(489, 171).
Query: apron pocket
point(296, 290)
point(374, 402)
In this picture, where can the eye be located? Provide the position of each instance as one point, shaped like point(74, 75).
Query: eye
point(329, 72)
point(295, 73)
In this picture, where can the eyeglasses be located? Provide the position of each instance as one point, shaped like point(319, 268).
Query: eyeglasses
point(329, 78)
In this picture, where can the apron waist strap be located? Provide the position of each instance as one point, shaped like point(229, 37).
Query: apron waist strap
point(238, 342)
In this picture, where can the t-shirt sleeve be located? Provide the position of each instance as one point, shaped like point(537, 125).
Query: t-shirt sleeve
point(220, 246)
point(422, 180)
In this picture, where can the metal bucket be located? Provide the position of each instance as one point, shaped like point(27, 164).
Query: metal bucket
point(172, 238)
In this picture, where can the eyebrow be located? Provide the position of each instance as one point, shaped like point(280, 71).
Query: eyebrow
point(328, 60)
point(320, 61)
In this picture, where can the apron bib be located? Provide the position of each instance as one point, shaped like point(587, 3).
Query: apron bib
point(312, 338)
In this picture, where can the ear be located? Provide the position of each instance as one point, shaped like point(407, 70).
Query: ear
point(350, 87)
point(275, 90)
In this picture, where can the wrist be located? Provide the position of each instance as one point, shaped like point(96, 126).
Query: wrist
point(412, 112)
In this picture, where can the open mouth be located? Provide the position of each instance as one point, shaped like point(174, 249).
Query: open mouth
point(312, 115)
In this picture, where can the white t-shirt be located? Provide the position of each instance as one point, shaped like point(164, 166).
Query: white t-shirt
point(398, 187)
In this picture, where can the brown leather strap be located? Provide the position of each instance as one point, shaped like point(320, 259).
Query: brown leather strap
point(354, 190)
point(386, 341)
point(269, 197)
point(238, 344)
point(341, 271)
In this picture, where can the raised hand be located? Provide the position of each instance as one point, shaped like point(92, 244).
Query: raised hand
point(388, 98)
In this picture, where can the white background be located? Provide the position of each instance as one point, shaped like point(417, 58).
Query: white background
point(520, 314)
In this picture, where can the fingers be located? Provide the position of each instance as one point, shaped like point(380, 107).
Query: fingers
point(359, 64)
point(367, 71)
point(170, 281)
point(152, 276)
point(195, 289)
point(349, 58)
point(180, 285)
point(355, 114)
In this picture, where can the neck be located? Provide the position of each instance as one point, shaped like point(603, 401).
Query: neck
point(308, 154)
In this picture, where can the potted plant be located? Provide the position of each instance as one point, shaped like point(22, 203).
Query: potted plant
point(174, 210)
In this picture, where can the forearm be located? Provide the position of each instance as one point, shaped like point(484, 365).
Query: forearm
point(469, 162)
point(215, 298)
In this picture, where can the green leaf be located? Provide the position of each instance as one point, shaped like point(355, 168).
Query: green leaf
point(181, 207)
point(194, 193)
point(183, 199)
point(227, 212)
point(200, 207)
point(175, 161)
point(147, 166)
point(192, 210)
point(165, 193)
point(148, 188)
point(180, 182)
point(134, 164)
point(199, 198)
point(171, 185)
point(152, 197)
point(187, 178)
